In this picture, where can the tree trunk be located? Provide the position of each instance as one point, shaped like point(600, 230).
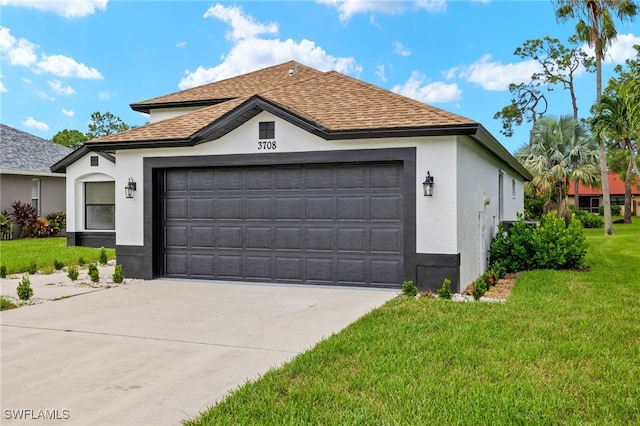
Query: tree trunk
point(627, 183)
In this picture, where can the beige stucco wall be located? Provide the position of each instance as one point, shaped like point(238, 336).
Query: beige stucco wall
point(18, 187)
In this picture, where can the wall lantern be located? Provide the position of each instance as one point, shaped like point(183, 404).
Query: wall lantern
point(427, 185)
point(130, 188)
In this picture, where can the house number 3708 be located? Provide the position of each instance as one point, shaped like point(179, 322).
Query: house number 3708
point(266, 145)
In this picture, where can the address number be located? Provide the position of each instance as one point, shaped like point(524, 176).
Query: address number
point(266, 145)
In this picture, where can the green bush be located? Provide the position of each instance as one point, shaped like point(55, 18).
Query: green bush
point(444, 291)
point(103, 256)
point(117, 277)
point(33, 267)
point(6, 304)
point(589, 220)
point(24, 289)
point(6, 224)
point(551, 245)
point(3, 271)
point(94, 274)
point(409, 288)
point(57, 264)
point(81, 261)
point(57, 222)
point(615, 210)
point(73, 273)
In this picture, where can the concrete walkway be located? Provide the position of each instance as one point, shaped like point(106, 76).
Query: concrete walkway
point(158, 352)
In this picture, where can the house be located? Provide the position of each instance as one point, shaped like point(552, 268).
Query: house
point(590, 199)
point(24, 171)
point(293, 175)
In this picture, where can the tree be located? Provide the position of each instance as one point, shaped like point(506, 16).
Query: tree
point(617, 118)
point(558, 66)
point(105, 124)
point(562, 151)
point(70, 138)
point(595, 26)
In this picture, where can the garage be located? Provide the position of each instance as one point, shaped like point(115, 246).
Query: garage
point(326, 224)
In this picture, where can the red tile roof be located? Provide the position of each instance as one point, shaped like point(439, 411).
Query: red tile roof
point(616, 187)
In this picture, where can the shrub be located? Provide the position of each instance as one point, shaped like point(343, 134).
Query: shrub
point(444, 291)
point(103, 256)
point(479, 287)
point(81, 261)
point(57, 222)
point(73, 273)
point(58, 265)
point(6, 304)
point(409, 288)
point(24, 289)
point(25, 216)
point(40, 228)
point(551, 245)
point(3, 271)
point(117, 277)
point(33, 267)
point(589, 220)
point(6, 224)
point(615, 210)
point(94, 274)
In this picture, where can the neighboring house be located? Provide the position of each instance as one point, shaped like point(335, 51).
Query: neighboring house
point(24, 171)
point(590, 199)
point(293, 175)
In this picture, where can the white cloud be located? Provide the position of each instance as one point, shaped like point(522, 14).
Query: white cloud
point(621, 49)
point(495, 75)
point(105, 96)
point(181, 44)
point(19, 52)
point(400, 49)
point(63, 66)
point(242, 26)
point(380, 72)
point(45, 96)
point(250, 52)
point(435, 92)
point(348, 8)
point(33, 123)
point(66, 8)
point(2, 88)
point(68, 113)
point(58, 87)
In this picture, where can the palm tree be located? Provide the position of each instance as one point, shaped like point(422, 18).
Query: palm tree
point(562, 151)
point(618, 117)
point(596, 27)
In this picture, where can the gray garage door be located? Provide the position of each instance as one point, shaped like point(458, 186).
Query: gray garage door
point(313, 224)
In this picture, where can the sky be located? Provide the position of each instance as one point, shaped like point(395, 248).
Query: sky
point(60, 61)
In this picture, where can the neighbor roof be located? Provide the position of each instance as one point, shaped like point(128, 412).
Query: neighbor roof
point(328, 104)
point(616, 187)
point(23, 152)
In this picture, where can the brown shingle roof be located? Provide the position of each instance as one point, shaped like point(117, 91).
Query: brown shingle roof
point(240, 86)
point(329, 101)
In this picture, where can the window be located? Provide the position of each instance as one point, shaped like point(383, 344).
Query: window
point(267, 130)
point(500, 196)
point(35, 194)
point(94, 160)
point(513, 189)
point(617, 200)
point(100, 205)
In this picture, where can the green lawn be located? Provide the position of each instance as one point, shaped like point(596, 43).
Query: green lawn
point(17, 255)
point(563, 349)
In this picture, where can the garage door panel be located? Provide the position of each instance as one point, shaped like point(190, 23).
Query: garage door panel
point(202, 237)
point(318, 224)
point(386, 208)
point(175, 208)
point(176, 236)
point(259, 268)
point(229, 237)
point(320, 270)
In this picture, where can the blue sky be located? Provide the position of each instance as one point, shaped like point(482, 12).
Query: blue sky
point(62, 61)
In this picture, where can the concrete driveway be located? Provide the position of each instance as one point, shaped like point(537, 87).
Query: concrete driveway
point(158, 352)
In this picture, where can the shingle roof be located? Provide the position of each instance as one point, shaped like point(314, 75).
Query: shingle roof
point(235, 87)
point(327, 100)
point(21, 151)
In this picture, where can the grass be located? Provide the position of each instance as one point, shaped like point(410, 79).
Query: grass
point(563, 349)
point(6, 304)
point(19, 255)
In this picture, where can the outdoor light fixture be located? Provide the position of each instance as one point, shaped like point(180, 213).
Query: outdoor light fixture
point(130, 188)
point(427, 185)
